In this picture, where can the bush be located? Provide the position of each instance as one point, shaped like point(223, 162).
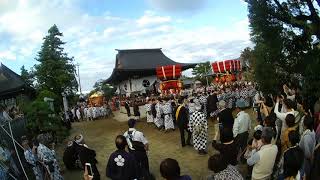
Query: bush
point(40, 119)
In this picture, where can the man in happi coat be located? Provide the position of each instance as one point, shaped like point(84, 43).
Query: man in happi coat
point(32, 158)
point(229, 98)
point(158, 121)
point(121, 164)
point(78, 114)
point(90, 113)
point(85, 113)
point(48, 157)
point(191, 106)
point(182, 117)
point(203, 101)
point(244, 93)
point(127, 106)
point(212, 104)
point(198, 125)
point(168, 118)
point(148, 110)
point(94, 112)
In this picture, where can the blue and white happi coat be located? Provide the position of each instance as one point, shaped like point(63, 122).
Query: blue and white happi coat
point(168, 118)
point(47, 156)
point(158, 121)
point(149, 114)
point(32, 160)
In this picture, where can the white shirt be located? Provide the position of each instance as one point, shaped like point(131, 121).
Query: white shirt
point(241, 124)
point(282, 116)
point(136, 136)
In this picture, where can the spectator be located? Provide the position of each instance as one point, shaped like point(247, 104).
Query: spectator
point(170, 170)
point(32, 159)
point(241, 126)
point(292, 158)
point(315, 173)
point(121, 164)
point(222, 169)
point(3, 172)
point(307, 144)
point(227, 148)
point(225, 117)
point(270, 121)
point(7, 158)
point(138, 146)
point(288, 106)
point(266, 106)
point(247, 155)
point(291, 127)
point(86, 155)
point(257, 141)
point(264, 159)
point(71, 155)
point(48, 157)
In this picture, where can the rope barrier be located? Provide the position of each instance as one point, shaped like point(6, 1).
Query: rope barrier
point(15, 147)
point(11, 137)
point(12, 176)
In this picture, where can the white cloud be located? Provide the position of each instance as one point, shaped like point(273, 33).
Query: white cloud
point(9, 55)
point(178, 5)
point(92, 39)
point(150, 18)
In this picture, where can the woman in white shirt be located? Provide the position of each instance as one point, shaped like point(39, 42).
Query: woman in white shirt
point(288, 108)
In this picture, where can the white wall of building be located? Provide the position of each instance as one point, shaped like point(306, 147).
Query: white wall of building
point(136, 85)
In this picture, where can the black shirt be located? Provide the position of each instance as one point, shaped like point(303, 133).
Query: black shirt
point(226, 118)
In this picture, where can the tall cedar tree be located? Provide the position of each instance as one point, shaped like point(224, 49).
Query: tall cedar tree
point(55, 71)
point(284, 33)
point(27, 76)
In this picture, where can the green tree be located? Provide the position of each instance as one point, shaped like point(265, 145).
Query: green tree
point(55, 71)
point(107, 89)
point(202, 72)
point(27, 76)
point(283, 33)
point(40, 118)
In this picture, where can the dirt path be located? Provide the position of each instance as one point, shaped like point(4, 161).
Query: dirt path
point(99, 135)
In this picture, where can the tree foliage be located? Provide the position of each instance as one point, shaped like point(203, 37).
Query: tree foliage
point(55, 71)
point(283, 33)
point(40, 118)
point(27, 76)
point(107, 89)
point(201, 72)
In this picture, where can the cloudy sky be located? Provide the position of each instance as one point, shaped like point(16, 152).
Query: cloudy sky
point(186, 30)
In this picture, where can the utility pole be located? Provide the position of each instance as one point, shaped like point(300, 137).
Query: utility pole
point(79, 78)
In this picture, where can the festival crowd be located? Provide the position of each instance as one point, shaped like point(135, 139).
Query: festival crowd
point(284, 144)
point(84, 112)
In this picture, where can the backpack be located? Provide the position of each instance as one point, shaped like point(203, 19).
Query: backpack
point(137, 145)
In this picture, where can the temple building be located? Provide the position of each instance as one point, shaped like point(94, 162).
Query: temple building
point(135, 70)
point(12, 87)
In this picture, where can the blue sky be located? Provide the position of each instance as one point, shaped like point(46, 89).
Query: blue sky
point(187, 30)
